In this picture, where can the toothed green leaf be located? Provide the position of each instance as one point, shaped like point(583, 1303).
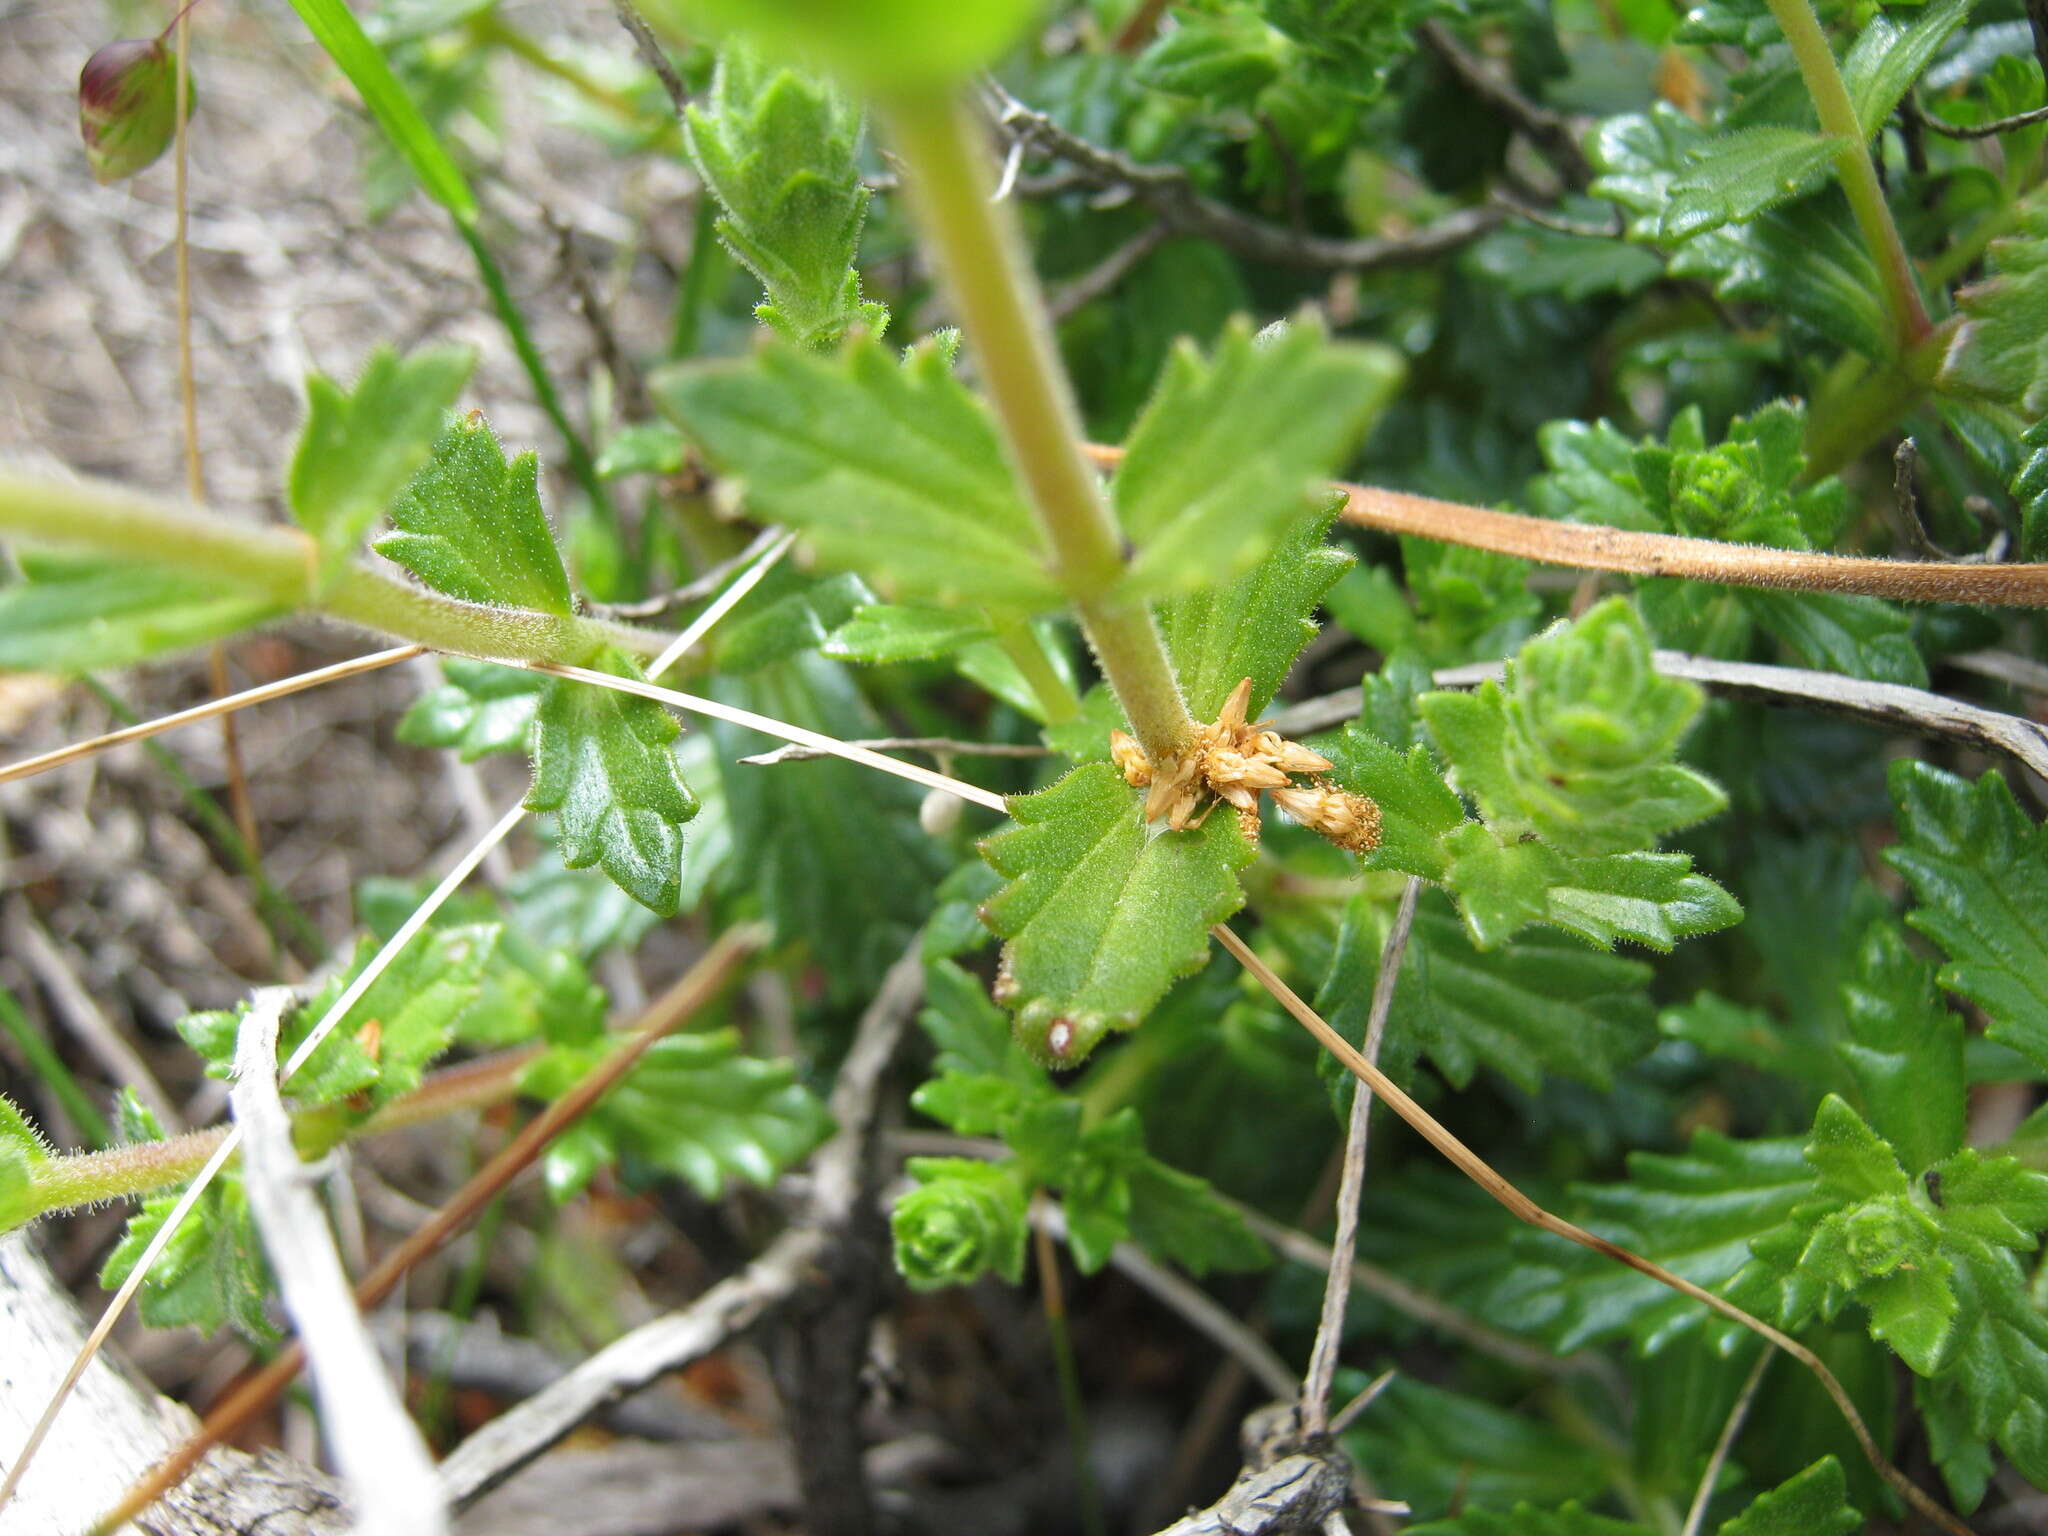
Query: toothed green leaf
point(361, 446)
point(1815, 1503)
point(891, 468)
point(1101, 912)
point(1978, 866)
point(482, 708)
point(781, 153)
point(471, 525)
point(1999, 354)
point(694, 1108)
point(605, 762)
point(882, 633)
point(1256, 625)
point(1274, 416)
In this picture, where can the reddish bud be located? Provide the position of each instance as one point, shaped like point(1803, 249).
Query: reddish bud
point(127, 106)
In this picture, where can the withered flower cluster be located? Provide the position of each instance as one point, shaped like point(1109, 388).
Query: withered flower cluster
point(1231, 762)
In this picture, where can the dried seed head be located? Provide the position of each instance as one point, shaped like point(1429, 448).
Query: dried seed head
point(1350, 821)
point(1130, 759)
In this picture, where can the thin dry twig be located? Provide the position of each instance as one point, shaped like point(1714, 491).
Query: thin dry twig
point(1329, 1340)
point(1482, 1173)
point(1914, 710)
point(1696, 1516)
point(692, 591)
point(1346, 1416)
point(697, 987)
point(1990, 130)
point(283, 687)
point(735, 1304)
point(648, 46)
point(1102, 278)
point(1170, 195)
point(377, 1447)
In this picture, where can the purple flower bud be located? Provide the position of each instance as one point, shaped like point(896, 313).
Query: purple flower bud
point(127, 106)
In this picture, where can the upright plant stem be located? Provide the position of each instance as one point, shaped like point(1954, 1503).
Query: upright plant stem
point(1003, 313)
point(1837, 113)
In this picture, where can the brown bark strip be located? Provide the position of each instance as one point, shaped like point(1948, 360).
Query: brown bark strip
point(1592, 547)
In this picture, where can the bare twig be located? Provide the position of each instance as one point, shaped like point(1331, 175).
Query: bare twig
point(1329, 1341)
point(1593, 547)
point(648, 46)
point(937, 746)
point(1696, 1516)
point(2005, 667)
point(1555, 134)
point(732, 1306)
point(1616, 227)
point(1168, 192)
point(377, 1447)
point(1480, 1172)
point(1989, 130)
point(1914, 710)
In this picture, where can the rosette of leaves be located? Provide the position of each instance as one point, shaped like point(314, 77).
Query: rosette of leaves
point(1570, 761)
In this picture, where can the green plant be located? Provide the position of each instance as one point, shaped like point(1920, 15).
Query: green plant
point(1764, 1135)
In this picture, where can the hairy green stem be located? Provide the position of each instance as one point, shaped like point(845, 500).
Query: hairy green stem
point(996, 294)
point(1848, 422)
point(1837, 113)
point(281, 565)
point(141, 1168)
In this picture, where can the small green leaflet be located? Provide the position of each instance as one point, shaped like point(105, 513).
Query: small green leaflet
point(482, 708)
point(1274, 417)
point(694, 1108)
point(781, 153)
point(77, 613)
point(1904, 1051)
point(790, 625)
point(1101, 912)
point(893, 469)
point(1227, 57)
point(1978, 866)
point(1999, 353)
point(1256, 625)
point(1542, 1004)
point(212, 1273)
point(1418, 810)
point(604, 761)
point(644, 448)
point(1653, 899)
point(361, 446)
point(471, 525)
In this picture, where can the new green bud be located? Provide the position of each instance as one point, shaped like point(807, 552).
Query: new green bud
point(963, 1220)
point(127, 106)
